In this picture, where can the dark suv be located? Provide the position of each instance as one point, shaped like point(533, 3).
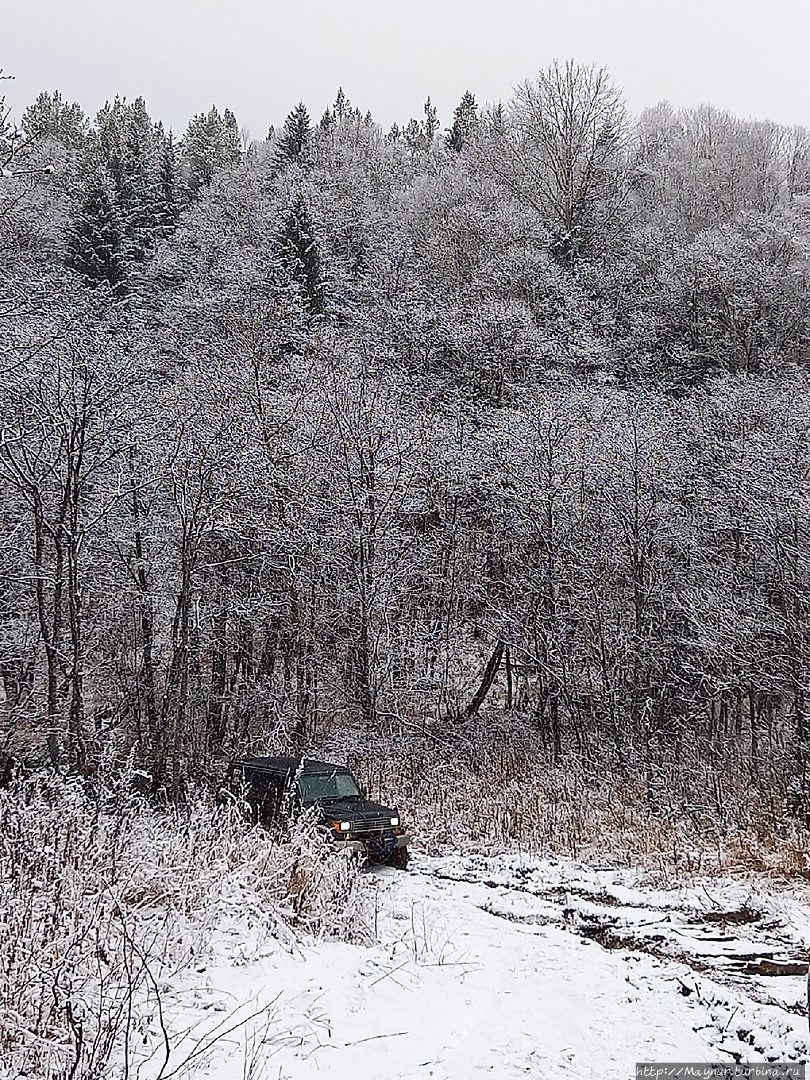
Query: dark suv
point(270, 785)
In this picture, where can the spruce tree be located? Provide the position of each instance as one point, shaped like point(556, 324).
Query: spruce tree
point(96, 240)
point(295, 136)
point(126, 145)
point(299, 253)
point(168, 179)
point(342, 104)
point(139, 187)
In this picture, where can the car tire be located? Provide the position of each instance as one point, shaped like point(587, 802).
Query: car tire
point(399, 859)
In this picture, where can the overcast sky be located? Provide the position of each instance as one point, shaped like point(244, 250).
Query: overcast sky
point(260, 56)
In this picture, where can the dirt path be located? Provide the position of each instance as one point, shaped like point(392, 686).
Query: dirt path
point(505, 968)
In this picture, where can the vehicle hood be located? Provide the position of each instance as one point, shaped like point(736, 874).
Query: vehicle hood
point(355, 810)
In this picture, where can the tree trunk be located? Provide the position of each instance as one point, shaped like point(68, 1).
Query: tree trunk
point(488, 678)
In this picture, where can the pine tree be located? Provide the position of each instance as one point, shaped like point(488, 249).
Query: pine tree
point(414, 136)
point(465, 123)
point(96, 240)
point(431, 122)
point(342, 104)
point(211, 143)
point(299, 253)
point(51, 116)
point(295, 137)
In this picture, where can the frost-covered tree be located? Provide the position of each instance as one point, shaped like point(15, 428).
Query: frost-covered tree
point(414, 136)
point(562, 154)
point(299, 252)
point(342, 105)
point(168, 180)
point(97, 247)
point(210, 144)
point(131, 149)
point(51, 116)
point(704, 167)
point(431, 122)
point(465, 123)
point(294, 139)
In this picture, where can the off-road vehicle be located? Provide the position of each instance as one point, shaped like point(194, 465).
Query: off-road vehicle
point(274, 786)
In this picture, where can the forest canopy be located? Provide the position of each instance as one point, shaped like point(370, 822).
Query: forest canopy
point(504, 412)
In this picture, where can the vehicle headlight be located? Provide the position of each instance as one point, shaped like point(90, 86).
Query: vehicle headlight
point(342, 826)
point(395, 821)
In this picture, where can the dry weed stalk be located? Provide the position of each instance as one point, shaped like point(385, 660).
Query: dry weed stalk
point(500, 793)
point(105, 897)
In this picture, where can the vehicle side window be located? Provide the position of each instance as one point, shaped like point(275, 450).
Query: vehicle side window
point(258, 790)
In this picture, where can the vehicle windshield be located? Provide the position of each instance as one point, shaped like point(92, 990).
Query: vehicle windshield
point(316, 787)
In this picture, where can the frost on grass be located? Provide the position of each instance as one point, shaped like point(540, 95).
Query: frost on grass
point(104, 899)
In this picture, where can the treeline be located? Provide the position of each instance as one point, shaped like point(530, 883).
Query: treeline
point(345, 427)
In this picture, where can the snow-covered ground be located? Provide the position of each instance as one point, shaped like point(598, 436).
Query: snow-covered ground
point(500, 967)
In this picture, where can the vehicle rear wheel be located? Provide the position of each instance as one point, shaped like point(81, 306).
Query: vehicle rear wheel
point(399, 859)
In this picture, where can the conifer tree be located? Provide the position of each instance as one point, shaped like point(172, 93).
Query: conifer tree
point(342, 105)
point(414, 136)
point(431, 122)
point(211, 143)
point(53, 117)
point(96, 240)
point(418, 135)
point(126, 144)
point(295, 137)
point(299, 253)
point(168, 178)
point(465, 123)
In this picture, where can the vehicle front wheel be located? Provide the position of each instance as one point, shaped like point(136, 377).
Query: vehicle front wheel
point(399, 859)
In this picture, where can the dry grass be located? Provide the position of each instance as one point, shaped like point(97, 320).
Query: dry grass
point(104, 898)
point(500, 797)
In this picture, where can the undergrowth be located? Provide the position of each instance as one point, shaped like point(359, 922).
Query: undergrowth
point(105, 897)
point(495, 794)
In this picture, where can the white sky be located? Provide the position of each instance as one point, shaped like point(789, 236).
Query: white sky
point(260, 56)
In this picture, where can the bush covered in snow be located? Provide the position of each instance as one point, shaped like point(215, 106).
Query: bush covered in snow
point(104, 897)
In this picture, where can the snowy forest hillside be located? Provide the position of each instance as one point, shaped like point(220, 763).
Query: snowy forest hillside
point(493, 419)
